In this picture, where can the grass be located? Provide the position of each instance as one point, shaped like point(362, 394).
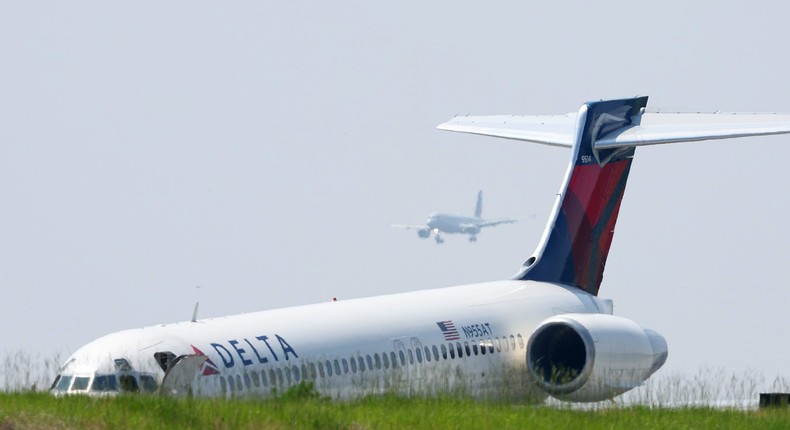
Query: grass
point(43, 411)
point(675, 401)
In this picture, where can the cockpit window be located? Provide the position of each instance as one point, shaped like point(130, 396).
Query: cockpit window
point(104, 383)
point(149, 383)
point(63, 383)
point(80, 383)
point(129, 383)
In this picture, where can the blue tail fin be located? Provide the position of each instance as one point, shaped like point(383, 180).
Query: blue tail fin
point(576, 241)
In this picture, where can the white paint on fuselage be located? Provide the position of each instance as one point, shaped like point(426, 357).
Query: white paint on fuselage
point(282, 343)
point(447, 223)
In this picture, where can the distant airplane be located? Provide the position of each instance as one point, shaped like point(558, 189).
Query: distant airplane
point(445, 223)
point(542, 333)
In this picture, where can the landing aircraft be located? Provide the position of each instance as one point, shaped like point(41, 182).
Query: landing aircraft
point(446, 223)
point(544, 332)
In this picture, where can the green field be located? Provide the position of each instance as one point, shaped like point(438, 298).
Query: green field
point(305, 411)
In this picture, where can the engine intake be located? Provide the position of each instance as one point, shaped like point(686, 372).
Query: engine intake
point(592, 357)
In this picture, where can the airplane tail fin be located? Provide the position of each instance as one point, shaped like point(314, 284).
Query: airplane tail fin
point(576, 241)
point(603, 136)
point(479, 205)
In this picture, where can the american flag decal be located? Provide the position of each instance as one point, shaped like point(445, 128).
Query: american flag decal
point(448, 330)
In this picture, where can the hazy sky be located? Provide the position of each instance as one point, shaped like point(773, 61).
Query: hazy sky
point(252, 155)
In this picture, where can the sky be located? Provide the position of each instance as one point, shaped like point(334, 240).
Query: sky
point(252, 155)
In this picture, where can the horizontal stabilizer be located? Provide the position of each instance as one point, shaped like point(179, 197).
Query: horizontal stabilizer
point(648, 128)
point(555, 130)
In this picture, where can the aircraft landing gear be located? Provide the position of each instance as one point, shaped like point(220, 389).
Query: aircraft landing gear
point(473, 238)
point(439, 239)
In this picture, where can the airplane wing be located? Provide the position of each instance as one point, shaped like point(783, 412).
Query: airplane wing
point(493, 223)
point(410, 227)
point(651, 128)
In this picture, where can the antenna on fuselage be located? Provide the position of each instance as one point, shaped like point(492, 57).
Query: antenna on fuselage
point(194, 313)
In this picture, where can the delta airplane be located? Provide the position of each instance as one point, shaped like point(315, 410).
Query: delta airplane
point(446, 223)
point(544, 332)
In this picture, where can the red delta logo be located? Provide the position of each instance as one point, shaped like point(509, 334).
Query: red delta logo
point(208, 367)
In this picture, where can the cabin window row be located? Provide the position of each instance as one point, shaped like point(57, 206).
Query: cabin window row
point(294, 374)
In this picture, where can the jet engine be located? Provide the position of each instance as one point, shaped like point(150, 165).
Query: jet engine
point(592, 357)
point(424, 233)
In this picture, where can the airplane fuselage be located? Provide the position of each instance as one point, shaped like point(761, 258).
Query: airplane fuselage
point(471, 338)
point(446, 223)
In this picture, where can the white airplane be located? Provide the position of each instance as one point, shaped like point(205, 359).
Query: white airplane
point(542, 333)
point(446, 223)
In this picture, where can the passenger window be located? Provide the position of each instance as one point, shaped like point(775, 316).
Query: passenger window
point(498, 345)
point(255, 379)
point(313, 375)
point(393, 360)
point(386, 360)
point(435, 352)
point(361, 364)
point(418, 352)
point(370, 362)
point(427, 354)
point(377, 359)
point(520, 341)
point(504, 344)
point(353, 365)
point(231, 384)
point(402, 358)
point(451, 348)
point(337, 368)
point(264, 382)
point(247, 381)
point(482, 348)
point(474, 348)
point(279, 377)
point(328, 368)
point(321, 369)
point(128, 383)
point(287, 371)
point(411, 356)
point(444, 352)
point(345, 366)
point(273, 378)
point(459, 349)
point(490, 346)
point(466, 347)
point(297, 375)
point(238, 383)
point(512, 342)
point(223, 386)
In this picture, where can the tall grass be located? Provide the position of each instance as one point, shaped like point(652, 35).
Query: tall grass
point(709, 387)
point(40, 410)
point(24, 371)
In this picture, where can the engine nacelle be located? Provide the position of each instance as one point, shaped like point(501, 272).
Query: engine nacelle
point(424, 233)
point(592, 357)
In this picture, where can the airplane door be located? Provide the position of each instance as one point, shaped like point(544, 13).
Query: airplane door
point(419, 359)
point(402, 357)
point(179, 377)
